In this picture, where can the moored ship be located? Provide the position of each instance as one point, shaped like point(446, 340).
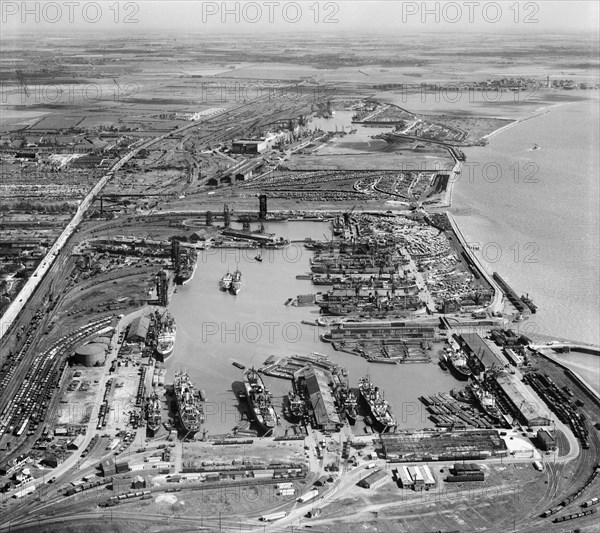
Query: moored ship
point(527, 301)
point(457, 361)
point(225, 282)
point(236, 283)
point(153, 416)
point(487, 402)
point(259, 400)
point(383, 421)
point(187, 267)
point(191, 414)
point(297, 407)
point(167, 329)
point(348, 403)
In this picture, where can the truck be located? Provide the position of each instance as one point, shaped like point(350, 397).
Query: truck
point(310, 495)
point(273, 516)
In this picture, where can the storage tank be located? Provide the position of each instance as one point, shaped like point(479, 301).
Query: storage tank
point(92, 354)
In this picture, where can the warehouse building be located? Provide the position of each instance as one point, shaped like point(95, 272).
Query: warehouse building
point(138, 330)
point(415, 477)
point(249, 146)
point(529, 408)
point(546, 441)
point(316, 382)
point(476, 347)
point(373, 480)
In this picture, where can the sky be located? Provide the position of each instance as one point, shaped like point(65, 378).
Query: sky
point(374, 17)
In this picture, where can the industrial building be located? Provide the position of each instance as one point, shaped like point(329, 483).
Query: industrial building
point(545, 440)
point(76, 443)
point(529, 408)
point(92, 354)
point(383, 330)
point(476, 347)
point(373, 480)
point(316, 382)
point(138, 330)
point(443, 445)
point(138, 483)
point(415, 477)
point(513, 357)
point(249, 146)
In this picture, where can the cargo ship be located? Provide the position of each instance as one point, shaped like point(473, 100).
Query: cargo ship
point(296, 407)
point(457, 361)
point(236, 283)
point(487, 402)
point(187, 267)
point(348, 403)
point(167, 329)
point(225, 282)
point(337, 226)
point(259, 400)
point(527, 301)
point(191, 414)
point(153, 415)
point(382, 419)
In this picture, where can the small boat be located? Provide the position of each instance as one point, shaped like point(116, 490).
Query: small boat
point(226, 281)
point(258, 257)
point(236, 283)
point(238, 365)
point(536, 147)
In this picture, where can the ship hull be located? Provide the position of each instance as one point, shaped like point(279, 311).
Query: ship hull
point(458, 372)
point(163, 353)
point(152, 430)
point(255, 410)
point(377, 423)
point(190, 414)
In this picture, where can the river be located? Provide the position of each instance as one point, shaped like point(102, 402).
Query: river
point(535, 215)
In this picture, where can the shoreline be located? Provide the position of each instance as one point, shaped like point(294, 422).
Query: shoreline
point(538, 112)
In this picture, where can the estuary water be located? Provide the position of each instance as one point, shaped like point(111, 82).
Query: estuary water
point(534, 213)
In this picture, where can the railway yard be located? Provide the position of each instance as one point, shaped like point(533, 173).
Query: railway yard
point(97, 433)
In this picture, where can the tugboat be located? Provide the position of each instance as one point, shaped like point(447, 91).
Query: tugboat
point(167, 330)
point(382, 419)
point(259, 400)
point(153, 415)
point(225, 282)
point(236, 283)
point(190, 410)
